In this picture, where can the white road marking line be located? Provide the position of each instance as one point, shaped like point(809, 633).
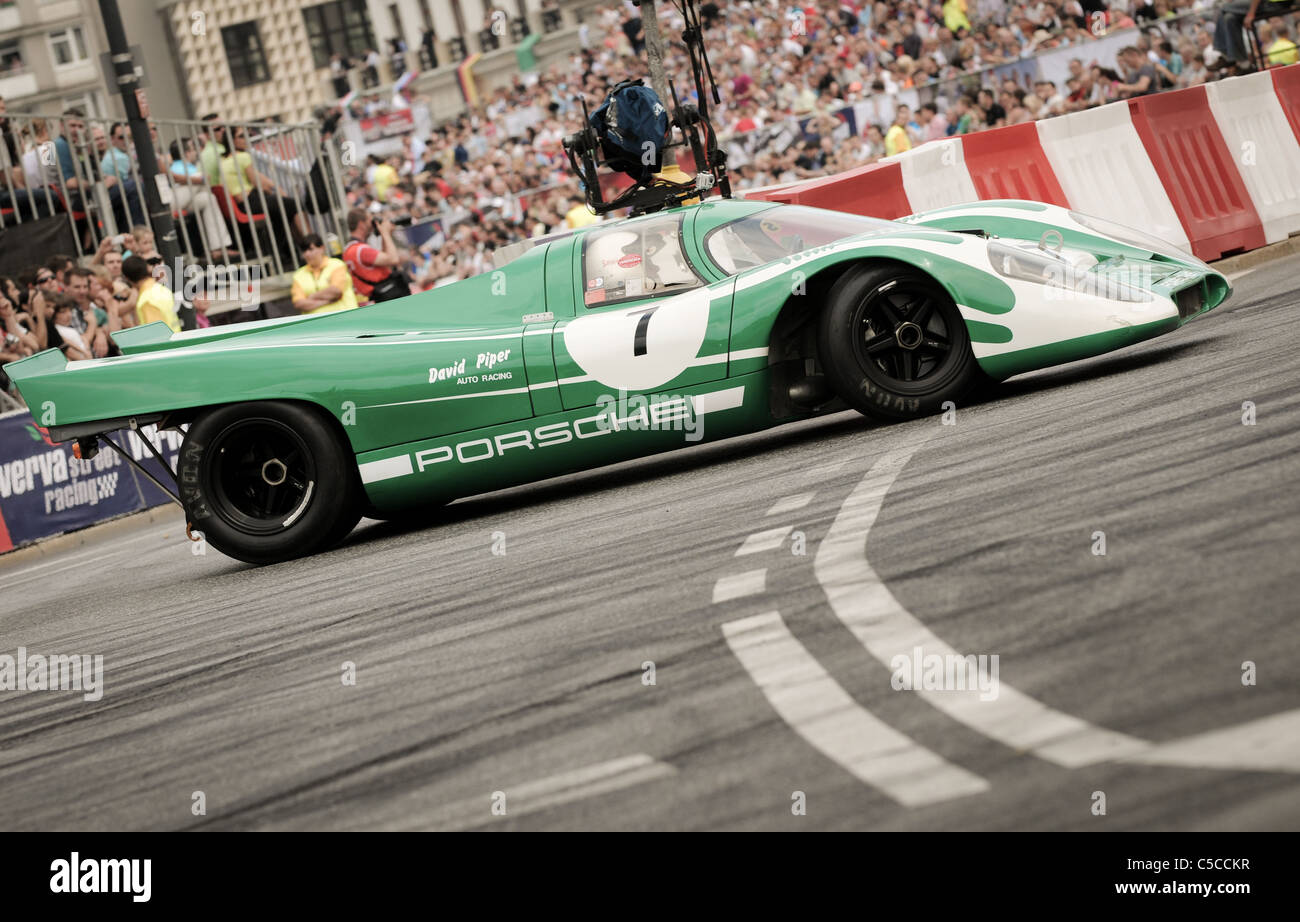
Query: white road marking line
point(862, 601)
point(822, 712)
point(739, 585)
point(760, 541)
point(790, 503)
point(553, 791)
point(1269, 744)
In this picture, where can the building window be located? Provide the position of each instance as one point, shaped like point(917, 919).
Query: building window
point(11, 59)
point(68, 46)
point(244, 54)
point(341, 27)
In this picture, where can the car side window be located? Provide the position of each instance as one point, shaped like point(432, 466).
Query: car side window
point(641, 259)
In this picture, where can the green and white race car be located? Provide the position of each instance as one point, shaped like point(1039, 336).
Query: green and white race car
point(617, 341)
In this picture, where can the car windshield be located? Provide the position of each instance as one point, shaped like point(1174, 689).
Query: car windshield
point(783, 231)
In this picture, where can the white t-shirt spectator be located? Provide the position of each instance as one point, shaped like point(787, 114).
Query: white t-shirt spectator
point(72, 337)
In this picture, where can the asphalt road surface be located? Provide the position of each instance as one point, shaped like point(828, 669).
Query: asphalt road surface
point(765, 586)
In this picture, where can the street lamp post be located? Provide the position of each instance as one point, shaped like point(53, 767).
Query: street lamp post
point(128, 84)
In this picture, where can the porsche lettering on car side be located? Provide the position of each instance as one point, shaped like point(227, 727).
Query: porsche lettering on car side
point(721, 319)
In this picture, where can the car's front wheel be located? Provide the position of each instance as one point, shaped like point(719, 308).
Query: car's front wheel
point(893, 344)
point(268, 481)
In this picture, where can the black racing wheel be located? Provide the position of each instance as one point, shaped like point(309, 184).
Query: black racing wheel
point(893, 344)
point(268, 481)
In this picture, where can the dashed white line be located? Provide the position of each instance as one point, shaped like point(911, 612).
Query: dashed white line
point(790, 503)
point(768, 540)
point(545, 793)
point(862, 601)
point(751, 582)
point(822, 712)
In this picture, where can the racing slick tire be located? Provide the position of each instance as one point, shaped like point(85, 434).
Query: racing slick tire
point(268, 481)
point(893, 344)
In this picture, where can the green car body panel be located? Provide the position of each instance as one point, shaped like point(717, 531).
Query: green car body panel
point(520, 373)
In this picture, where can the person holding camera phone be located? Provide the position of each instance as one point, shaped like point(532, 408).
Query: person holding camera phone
point(375, 273)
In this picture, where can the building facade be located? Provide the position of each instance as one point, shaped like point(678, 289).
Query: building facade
point(49, 56)
point(246, 60)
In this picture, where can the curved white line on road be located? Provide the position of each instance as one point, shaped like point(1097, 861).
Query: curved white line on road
point(1269, 744)
point(826, 716)
point(862, 601)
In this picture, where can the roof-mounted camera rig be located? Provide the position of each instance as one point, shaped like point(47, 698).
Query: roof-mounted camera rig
point(631, 133)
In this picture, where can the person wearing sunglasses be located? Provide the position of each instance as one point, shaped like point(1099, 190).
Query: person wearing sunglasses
point(323, 284)
point(122, 303)
point(116, 165)
point(45, 286)
point(258, 194)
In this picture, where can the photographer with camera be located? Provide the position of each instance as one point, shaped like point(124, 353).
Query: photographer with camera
point(375, 273)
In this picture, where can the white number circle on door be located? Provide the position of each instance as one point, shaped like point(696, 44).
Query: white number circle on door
point(640, 347)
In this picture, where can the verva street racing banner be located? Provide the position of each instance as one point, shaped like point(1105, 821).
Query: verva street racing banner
point(45, 491)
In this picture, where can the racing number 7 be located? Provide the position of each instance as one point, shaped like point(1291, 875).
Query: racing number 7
point(642, 330)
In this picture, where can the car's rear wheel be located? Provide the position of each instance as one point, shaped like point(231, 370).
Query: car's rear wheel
point(893, 344)
point(266, 482)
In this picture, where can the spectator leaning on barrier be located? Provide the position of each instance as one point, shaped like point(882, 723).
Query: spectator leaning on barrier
point(324, 284)
point(153, 300)
point(374, 271)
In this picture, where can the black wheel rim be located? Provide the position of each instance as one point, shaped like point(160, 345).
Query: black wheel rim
point(904, 335)
point(260, 476)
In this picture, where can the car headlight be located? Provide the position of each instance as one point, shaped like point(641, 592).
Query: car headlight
point(1135, 238)
point(1046, 268)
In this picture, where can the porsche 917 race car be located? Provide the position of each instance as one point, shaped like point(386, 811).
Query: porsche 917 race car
point(620, 340)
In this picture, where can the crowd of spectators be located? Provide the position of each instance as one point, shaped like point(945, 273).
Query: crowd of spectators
point(77, 308)
point(50, 166)
point(500, 175)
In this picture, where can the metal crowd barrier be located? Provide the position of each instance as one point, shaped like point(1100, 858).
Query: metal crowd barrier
point(212, 225)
